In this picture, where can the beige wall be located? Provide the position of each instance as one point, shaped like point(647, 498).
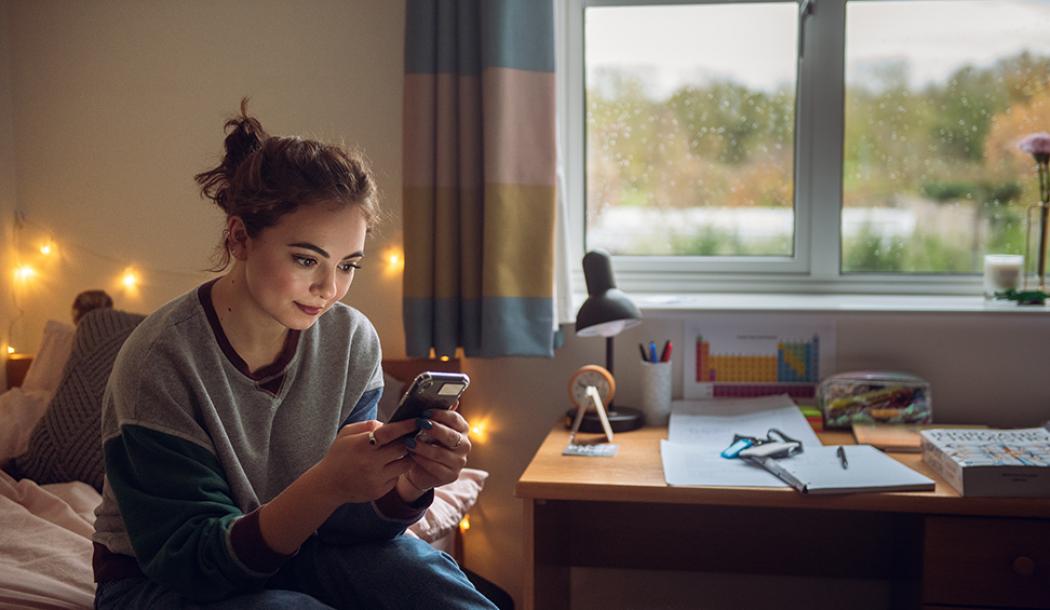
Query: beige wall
point(7, 185)
point(115, 105)
point(118, 104)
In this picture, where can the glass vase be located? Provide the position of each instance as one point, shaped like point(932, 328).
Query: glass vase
point(1036, 219)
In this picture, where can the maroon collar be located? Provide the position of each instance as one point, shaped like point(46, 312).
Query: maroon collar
point(291, 341)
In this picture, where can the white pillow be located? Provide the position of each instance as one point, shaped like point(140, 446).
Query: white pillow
point(46, 369)
point(20, 411)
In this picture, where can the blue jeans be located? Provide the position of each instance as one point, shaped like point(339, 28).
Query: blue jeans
point(401, 573)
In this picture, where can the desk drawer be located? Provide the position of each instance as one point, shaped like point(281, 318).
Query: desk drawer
point(992, 562)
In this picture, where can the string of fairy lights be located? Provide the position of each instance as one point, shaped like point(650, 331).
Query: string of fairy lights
point(37, 253)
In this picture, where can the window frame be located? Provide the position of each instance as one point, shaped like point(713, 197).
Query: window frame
point(815, 265)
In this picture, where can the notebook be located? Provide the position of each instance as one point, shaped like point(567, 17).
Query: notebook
point(818, 470)
point(895, 437)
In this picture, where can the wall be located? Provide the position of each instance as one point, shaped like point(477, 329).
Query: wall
point(118, 104)
point(115, 105)
point(7, 183)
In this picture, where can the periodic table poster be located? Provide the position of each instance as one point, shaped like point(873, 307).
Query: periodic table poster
point(738, 356)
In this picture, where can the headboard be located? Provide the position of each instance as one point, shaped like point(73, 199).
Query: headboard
point(405, 369)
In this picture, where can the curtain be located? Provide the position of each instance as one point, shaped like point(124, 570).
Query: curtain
point(479, 181)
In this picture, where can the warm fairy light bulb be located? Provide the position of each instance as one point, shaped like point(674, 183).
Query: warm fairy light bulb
point(464, 524)
point(395, 259)
point(47, 248)
point(479, 431)
point(24, 272)
point(130, 279)
point(10, 349)
point(444, 358)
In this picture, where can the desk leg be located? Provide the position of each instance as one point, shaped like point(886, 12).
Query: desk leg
point(546, 556)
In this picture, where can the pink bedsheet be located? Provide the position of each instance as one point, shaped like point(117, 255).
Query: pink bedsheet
point(45, 544)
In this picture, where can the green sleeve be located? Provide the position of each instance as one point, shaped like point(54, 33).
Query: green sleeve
point(178, 511)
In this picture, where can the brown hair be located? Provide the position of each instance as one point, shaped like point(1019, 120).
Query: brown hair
point(264, 177)
point(89, 300)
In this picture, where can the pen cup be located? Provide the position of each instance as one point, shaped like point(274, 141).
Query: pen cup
point(656, 392)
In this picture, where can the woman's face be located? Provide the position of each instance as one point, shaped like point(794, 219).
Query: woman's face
point(298, 268)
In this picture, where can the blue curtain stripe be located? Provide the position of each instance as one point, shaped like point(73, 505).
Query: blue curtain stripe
point(442, 36)
point(442, 316)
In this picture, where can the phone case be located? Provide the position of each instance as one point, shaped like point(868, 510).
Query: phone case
point(430, 390)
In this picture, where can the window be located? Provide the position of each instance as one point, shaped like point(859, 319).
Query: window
point(831, 146)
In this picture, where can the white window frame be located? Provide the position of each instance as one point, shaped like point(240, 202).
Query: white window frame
point(814, 267)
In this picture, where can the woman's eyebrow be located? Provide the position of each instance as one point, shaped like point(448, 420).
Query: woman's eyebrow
point(321, 251)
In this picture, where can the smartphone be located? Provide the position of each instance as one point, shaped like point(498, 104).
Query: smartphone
point(430, 390)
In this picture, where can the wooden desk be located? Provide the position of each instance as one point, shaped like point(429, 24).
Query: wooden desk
point(936, 549)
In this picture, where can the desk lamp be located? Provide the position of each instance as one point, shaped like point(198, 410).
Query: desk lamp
point(606, 312)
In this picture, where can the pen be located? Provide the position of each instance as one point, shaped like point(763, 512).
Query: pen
point(841, 452)
point(652, 352)
point(666, 355)
point(641, 348)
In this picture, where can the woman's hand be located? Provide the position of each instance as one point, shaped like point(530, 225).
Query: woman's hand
point(356, 470)
point(439, 454)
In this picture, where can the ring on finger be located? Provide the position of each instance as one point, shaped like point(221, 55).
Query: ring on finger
point(372, 438)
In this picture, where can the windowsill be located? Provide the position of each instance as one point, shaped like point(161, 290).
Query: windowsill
point(865, 303)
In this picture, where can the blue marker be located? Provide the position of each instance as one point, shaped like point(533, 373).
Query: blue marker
point(652, 352)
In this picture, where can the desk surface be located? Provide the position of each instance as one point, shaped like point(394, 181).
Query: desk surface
point(636, 474)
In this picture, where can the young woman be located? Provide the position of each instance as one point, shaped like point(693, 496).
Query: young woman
point(244, 467)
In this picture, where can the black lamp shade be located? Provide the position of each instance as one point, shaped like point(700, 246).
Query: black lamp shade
point(607, 310)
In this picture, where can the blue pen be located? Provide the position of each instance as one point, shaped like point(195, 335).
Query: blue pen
point(652, 352)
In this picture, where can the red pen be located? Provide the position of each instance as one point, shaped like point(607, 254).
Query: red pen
point(666, 355)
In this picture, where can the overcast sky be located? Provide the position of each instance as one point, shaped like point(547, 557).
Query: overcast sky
point(757, 43)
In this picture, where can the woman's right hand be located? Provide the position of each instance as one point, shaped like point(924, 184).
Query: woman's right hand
point(358, 471)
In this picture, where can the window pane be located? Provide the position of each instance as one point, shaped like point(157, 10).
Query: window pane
point(937, 95)
point(690, 119)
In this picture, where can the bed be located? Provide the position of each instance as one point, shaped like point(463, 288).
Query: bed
point(49, 486)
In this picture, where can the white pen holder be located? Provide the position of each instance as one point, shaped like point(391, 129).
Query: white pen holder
point(656, 392)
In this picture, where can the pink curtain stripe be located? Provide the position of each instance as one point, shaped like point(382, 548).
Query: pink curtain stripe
point(470, 127)
point(442, 131)
point(519, 126)
point(418, 137)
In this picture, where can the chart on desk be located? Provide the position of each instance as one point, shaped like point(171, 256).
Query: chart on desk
point(737, 356)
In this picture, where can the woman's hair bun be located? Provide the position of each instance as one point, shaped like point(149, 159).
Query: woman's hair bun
point(263, 177)
point(245, 135)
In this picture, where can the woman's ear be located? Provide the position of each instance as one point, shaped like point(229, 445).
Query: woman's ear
point(236, 237)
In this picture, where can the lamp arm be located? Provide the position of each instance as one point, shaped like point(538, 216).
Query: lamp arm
point(609, 363)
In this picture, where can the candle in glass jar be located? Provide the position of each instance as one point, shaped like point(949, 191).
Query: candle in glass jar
point(1002, 272)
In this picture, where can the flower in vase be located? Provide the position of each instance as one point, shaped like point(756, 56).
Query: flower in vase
point(1038, 145)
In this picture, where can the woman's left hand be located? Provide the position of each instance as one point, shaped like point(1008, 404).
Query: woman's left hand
point(440, 453)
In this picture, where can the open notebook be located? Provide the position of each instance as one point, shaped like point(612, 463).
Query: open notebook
point(818, 470)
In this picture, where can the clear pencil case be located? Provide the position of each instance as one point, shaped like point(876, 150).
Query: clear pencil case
point(874, 397)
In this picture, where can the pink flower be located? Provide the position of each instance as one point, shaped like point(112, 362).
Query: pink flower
point(1036, 144)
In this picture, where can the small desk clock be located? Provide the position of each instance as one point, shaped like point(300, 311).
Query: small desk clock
point(621, 419)
point(591, 375)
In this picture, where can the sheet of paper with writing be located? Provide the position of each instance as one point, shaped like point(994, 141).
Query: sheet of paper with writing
point(700, 429)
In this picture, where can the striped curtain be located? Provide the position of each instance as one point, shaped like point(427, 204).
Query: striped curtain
point(479, 177)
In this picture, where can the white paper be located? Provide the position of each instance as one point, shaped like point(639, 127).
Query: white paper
point(700, 429)
point(686, 465)
point(712, 423)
